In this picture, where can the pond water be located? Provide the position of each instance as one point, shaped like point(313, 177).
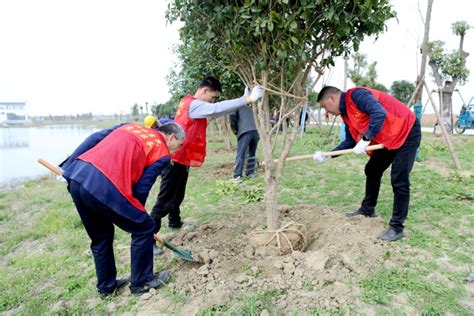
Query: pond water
point(20, 148)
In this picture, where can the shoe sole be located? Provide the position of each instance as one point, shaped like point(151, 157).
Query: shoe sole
point(392, 239)
point(123, 283)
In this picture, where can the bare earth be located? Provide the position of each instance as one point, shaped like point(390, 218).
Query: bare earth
point(340, 250)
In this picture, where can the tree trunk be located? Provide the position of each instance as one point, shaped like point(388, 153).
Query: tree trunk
point(274, 171)
point(446, 106)
point(424, 52)
point(271, 208)
point(224, 122)
point(271, 205)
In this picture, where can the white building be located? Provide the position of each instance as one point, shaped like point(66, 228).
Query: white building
point(13, 113)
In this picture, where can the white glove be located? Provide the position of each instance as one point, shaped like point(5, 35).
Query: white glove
point(318, 156)
point(257, 93)
point(361, 146)
point(246, 91)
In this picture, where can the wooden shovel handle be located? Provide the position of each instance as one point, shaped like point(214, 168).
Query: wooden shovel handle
point(350, 151)
point(159, 240)
point(330, 153)
point(54, 169)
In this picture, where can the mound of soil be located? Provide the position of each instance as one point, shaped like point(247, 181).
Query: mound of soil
point(339, 250)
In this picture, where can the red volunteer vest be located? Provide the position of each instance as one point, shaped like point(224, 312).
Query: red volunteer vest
point(123, 155)
point(193, 151)
point(397, 124)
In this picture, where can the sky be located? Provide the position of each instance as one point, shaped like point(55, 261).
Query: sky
point(74, 57)
point(397, 52)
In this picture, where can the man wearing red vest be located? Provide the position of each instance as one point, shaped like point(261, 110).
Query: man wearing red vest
point(374, 117)
point(109, 177)
point(192, 114)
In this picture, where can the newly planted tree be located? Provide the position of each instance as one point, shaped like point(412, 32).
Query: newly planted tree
point(277, 44)
point(449, 69)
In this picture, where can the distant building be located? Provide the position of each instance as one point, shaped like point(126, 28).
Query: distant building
point(13, 113)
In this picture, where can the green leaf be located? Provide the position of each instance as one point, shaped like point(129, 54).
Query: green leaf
point(281, 54)
point(295, 40)
point(270, 26)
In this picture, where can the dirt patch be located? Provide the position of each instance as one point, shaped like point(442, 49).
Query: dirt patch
point(340, 249)
point(439, 167)
point(221, 171)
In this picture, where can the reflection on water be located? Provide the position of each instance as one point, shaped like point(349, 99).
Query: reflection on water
point(14, 139)
point(21, 147)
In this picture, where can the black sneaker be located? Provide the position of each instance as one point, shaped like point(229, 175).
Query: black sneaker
point(176, 226)
point(360, 212)
point(121, 283)
point(158, 281)
point(391, 235)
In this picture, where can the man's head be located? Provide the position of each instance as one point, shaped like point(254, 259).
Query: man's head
point(329, 98)
point(174, 136)
point(209, 89)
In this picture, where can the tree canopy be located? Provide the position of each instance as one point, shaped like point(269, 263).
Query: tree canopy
point(450, 66)
point(277, 43)
point(249, 36)
point(402, 90)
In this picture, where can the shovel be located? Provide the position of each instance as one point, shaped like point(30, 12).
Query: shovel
point(183, 254)
point(331, 153)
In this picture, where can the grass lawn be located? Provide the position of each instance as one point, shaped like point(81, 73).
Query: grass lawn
point(46, 264)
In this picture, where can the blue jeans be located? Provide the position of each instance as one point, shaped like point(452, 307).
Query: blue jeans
point(248, 140)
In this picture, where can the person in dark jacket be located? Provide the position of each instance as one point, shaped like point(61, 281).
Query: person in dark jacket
point(374, 117)
point(109, 178)
point(242, 123)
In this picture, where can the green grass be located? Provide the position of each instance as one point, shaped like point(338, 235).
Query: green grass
point(428, 296)
point(46, 257)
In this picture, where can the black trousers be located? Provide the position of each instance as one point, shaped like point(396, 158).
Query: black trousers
point(99, 220)
point(402, 160)
point(172, 192)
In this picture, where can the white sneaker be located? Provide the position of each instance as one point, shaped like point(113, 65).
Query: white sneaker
point(238, 179)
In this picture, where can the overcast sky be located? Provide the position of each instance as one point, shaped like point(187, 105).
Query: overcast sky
point(68, 57)
point(397, 50)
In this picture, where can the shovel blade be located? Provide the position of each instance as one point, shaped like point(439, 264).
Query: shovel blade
point(182, 253)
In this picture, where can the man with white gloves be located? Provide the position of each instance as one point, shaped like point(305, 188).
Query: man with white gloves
point(374, 117)
point(192, 114)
